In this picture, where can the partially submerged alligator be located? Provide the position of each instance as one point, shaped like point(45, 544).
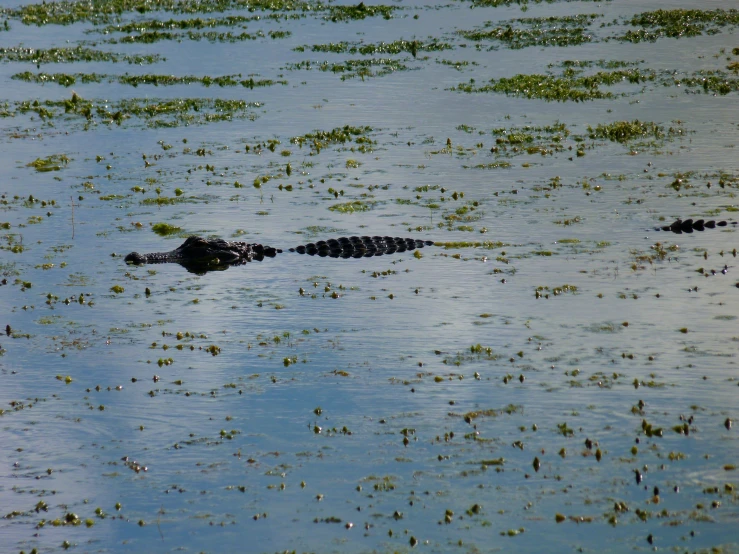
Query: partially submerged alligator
point(201, 254)
point(198, 253)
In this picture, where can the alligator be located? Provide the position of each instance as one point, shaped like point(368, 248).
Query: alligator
point(201, 254)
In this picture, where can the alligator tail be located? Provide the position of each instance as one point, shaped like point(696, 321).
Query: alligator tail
point(360, 247)
point(689, 225)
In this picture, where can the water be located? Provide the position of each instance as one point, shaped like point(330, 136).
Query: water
point(432, 402)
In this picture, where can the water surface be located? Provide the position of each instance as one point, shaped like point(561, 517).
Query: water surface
point(553, 375)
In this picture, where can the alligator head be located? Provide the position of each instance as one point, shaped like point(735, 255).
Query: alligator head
point(201, 254)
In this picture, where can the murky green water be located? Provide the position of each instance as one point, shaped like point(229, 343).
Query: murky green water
point(554, 375)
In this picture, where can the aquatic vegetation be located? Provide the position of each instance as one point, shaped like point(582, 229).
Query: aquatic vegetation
point(224, 81)
point(352, 207)
point(491, 165)
point(541, 31)
point(488, 244)
point(146, 25)
point(351, 69)
point(67, 80)
point(625, 131)
point(63, 79)
point(166, 200)
point(523, 3)
point(319, 140)
point(153, 112)
point(530, 139)
point(457, 64)
point(544, 291)
point(678, 23)
point(54, 162)
point(571, 85)
point(100, 12)
point(103, 12)
point(72, 54)
point(165, 229)
point(150, 37)
point(358, 12)
point(716, 82)
point(395, 47)
point(602, 63)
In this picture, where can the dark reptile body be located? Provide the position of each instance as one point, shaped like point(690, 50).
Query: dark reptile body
point(213, 253)
point(360, 247)
point(199, 251)
point(688, 225)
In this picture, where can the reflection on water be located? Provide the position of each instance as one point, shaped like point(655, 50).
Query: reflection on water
point(553, 372)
